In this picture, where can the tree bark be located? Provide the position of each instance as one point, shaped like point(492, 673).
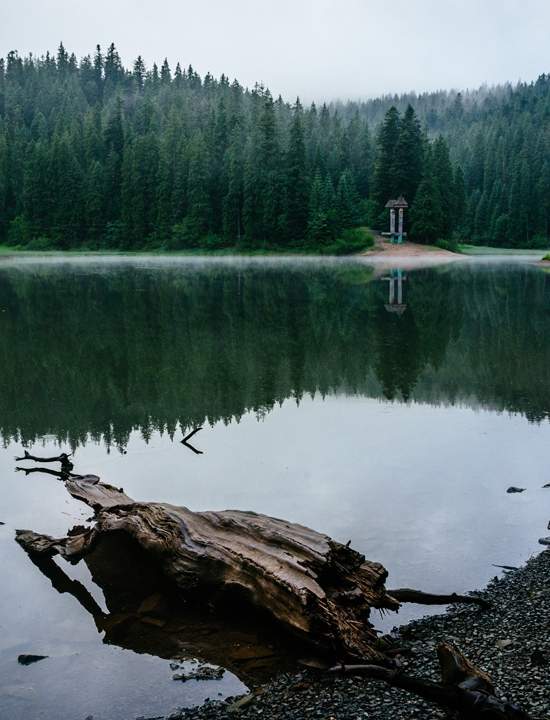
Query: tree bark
point(313, 586)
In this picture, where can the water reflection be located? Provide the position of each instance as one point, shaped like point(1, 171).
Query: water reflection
point(396, 302)
point(95, 351)
point(383, 449)
point(145, 614)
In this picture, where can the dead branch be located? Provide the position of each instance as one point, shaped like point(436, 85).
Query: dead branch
point(465, 690)
point(190, 435)
point(187, 444)
point(407, 595)
point(63, 458)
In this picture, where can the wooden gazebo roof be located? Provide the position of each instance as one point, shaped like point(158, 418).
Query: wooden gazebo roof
point(399, 203)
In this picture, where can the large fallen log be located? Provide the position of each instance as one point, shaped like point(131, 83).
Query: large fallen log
point(311, 585)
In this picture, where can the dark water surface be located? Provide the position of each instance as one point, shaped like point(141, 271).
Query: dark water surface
point(394, 418)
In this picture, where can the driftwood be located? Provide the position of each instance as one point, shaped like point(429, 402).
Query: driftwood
point(465, 691)
point(187, 444)
point(406, 595)
point(311, 585)
point(66, 465)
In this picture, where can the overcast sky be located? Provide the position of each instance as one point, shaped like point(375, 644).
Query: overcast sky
point(317, 49)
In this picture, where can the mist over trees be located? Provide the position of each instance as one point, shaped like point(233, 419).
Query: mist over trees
point(95, 155)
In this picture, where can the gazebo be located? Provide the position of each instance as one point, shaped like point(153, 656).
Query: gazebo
point(400, 205)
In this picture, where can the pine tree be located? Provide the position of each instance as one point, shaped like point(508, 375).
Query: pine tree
point(233, 200)
point(459, 201)
point(296, 180)
point(165, 74)
point(444, 180)
point(347, 202)
point(406, 167)
point(384, 187)
point(139, 73)
point(426, 221)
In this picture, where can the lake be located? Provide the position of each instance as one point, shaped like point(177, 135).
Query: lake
point(387, 406)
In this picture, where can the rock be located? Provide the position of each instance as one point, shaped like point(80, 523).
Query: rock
point(2, 523)
point(546, 486)
point(241, 703)
point(30, 659)
point(538, 657)
point(205, 672)
point(544, 541)
point(502, 644)
point(514, 489)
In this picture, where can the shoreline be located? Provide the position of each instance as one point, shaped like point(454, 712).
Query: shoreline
point(511, 641)
point(381, 250)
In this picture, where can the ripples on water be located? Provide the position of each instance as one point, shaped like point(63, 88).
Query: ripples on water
point(390, 407)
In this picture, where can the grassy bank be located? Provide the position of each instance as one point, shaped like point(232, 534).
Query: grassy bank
point(466, 249)
point(350, 242)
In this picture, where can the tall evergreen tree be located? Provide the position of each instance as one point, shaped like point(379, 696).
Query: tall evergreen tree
point(384, 180)
point(296, 180)
point(406, 167)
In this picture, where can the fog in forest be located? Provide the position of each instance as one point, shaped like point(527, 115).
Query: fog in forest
point(317, 49)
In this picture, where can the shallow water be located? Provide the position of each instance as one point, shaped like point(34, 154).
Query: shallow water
point(395, 420)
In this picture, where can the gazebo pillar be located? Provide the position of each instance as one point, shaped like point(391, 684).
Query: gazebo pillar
point(392, 205)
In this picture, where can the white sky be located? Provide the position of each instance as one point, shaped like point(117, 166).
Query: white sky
point(318, 49)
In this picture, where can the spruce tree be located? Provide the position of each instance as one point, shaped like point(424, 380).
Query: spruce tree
point(296, 180)
point(406, 167)
point(426, 214)
point(384, 187)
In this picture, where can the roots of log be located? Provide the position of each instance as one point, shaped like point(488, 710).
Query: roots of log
point(465, 691)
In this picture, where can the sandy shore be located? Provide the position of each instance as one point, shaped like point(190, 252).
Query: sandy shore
point(408, 255)
point(382, 247)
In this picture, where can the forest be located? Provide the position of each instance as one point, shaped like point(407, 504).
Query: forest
point(94, 155)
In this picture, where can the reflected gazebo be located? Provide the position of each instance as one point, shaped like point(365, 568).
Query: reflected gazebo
point(395, 302)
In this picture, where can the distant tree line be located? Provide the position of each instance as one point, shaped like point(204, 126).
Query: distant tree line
point(95, 155)
point(499, 141)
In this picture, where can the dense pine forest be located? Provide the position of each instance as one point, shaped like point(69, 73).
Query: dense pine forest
point(95, 155)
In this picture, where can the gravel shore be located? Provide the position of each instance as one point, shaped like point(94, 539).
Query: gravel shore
point(511, 641)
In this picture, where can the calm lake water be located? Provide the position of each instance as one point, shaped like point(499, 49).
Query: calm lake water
point(390, 407)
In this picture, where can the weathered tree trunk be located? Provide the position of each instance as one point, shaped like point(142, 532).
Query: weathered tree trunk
point(312, 586)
